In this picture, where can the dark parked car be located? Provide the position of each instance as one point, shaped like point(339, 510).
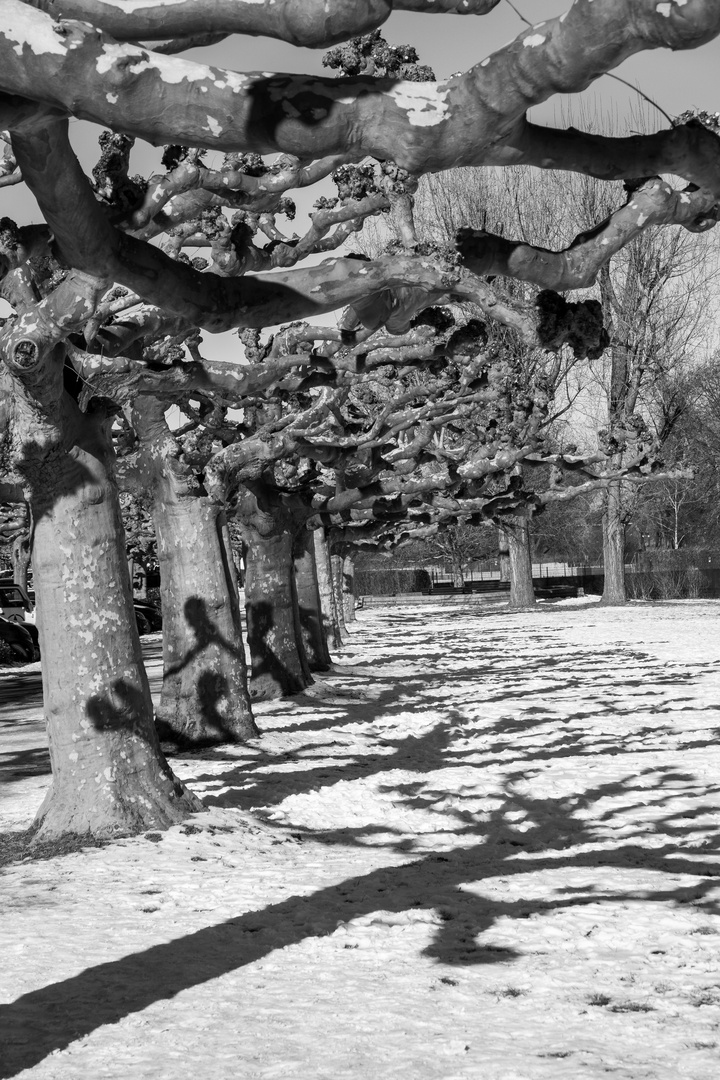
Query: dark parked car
point(22, 639)
point(14, 601)
point(147, 616)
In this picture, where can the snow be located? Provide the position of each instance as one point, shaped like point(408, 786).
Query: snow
point(484, 846)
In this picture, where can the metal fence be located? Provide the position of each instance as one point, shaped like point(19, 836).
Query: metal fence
point(441, 574)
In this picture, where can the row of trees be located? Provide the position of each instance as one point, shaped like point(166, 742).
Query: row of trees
point(430, 404)
point(644, 398)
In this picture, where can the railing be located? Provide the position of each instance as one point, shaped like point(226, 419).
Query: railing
point(439, 575)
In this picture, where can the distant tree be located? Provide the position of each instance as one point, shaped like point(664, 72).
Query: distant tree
point(139, 540)
point(456, 545)
point(571, 531)
point(685, 512)
point(516, 528)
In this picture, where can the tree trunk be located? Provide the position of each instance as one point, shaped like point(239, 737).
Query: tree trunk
point(458, 578)
point(308, 594)
point(138, 576)
point(21, 560)
point(348, 588)
point(233, 574)
point(522, 593)
point(336, 566)
point(327, 593)
point(279, 664)
point(613, 547)
point(109, 775)
point(204, 698)
point(503, 554)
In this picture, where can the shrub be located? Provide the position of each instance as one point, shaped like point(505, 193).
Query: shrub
point(671, 583)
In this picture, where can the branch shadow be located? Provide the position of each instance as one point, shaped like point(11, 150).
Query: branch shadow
point(19, 764)
point(214, 694)
point(19, 689)
point(122, 708)
point(271, 674)
point(248, 788)
point(37, 1025)
point(520, 835)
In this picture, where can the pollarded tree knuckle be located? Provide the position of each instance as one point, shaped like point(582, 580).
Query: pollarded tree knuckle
point(25, 355)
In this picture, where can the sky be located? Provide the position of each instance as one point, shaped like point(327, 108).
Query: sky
point(448, 44)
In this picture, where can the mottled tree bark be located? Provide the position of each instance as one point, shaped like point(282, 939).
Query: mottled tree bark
point(336, 568)
point(21, 560)
point(522, 593)
point(279, 664)
point(613, 547)
point(503, 554)
point(311, 621)
point(308, 23)
point(109, 776)
point(204, 696)
point(138, 577)
point(327, 593)
point(477, 118)
point(348, 588)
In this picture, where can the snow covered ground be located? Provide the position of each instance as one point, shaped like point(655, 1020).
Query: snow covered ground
point(484, 846)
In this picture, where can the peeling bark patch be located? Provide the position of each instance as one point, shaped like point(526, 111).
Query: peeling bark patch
point(131, 6)
point(171, 70)
point(424, 102)
point(532, 40)
point(38, 35)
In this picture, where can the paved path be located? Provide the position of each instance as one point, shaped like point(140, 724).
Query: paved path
point(23, 745)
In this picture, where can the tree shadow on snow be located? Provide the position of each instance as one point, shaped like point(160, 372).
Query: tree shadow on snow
point(539, 735)
point(642, 819)
point(19, 764)
point(19, 689)
point(49, 1019)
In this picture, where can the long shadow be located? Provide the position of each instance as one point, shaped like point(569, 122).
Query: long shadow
point(106, 993)
point(247, 788)
point(19, 764)
point(21, 689)
point(422, 753)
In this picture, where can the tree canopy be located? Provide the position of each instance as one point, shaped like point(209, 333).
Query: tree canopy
point(82, 58)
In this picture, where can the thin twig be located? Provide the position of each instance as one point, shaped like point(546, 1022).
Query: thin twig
point(609, 75)
point(519, 15)
point(641, 93)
